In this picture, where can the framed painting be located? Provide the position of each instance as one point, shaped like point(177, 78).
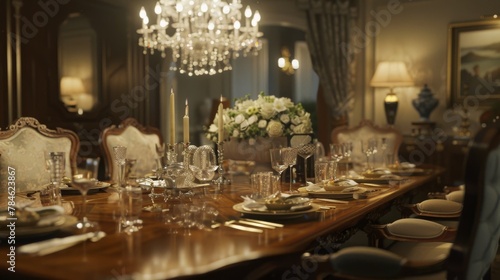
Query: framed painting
point(474, 62)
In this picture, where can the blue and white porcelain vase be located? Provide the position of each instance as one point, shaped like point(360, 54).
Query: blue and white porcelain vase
point(425, 103)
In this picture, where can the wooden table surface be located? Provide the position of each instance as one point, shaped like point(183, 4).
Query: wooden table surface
point(160, 250)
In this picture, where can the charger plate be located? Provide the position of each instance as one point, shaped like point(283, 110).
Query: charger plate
point(275, 214)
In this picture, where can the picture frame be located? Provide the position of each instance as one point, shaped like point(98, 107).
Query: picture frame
point(474, 63)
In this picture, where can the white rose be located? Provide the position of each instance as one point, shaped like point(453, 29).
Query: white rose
point(279, 106)
point(274, 129)
point(267, 111)
point(285, 118)
point(239, 119)
point(300, 129)
point(252, 119)
point(236, 133)
point(296, 120)
point(262, 124)
point(244, 125)
point(213, 128)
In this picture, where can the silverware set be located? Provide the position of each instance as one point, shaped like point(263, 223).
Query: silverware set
point(249, 225)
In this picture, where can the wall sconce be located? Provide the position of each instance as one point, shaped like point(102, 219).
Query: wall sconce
point(285, 64)
point(391, 74)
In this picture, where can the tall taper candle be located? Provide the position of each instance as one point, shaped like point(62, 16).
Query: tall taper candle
point(172, 117)
point(221, 121)
point(185, 122)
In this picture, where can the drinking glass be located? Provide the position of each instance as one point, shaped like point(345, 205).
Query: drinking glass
point(56, 165)
point(131, 207)
point(367, 150)
point(383, 147)
point(85, 179)
point(373, 143)
point(120, 153)
point(306, 151)
point(348, 147)
point(203, 163)
point(160, 159)
point(336, 154)
point(322, 171)
point(291, 160)
point(278, 160)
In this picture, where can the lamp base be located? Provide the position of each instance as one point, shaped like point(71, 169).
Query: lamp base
point(391, 107)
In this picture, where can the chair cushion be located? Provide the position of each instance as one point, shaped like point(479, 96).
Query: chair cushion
point(419, 251)
point(367, 262)
point(415, 228)
point(457, 196)
point(439, 206)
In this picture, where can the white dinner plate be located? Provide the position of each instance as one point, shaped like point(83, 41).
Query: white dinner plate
point(72, 190)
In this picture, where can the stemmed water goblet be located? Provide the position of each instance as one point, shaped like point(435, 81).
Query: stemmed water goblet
point(348, 147)
point(373, 143)
point(120, 153)
point(84, 180)
point(367, 150)
point(306, 151)
point(278, 160)
point(336, 154)
point(291, 160)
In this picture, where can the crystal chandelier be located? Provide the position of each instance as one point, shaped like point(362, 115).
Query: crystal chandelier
point(204, 35)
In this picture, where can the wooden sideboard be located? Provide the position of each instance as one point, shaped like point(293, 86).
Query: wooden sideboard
point(447, 152)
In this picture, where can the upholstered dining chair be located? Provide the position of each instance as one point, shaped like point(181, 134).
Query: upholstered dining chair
point(366, 130)
point(140, 142)
point(23, 145)
point(474, 244)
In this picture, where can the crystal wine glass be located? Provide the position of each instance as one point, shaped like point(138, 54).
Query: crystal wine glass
point(336, 154)
point(120, 153)
point(291, 160)
point(373, 143)
point(348, 147)
point(306, 151)
point(278, 160)
point(367, 150)
point(84, 180)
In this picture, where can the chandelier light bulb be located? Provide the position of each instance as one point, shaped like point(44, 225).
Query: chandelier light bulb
point(226, 9)
point(204, 7)
point(145, 20)
point(163, 23)
point(179, 7)
point(237, 25)
point(142, 13)
point(256, 16)
point(157, 8)
point(211, 25)
point(248, 12)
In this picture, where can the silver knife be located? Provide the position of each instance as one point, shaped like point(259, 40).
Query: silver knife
point(255, 224)
point(243, 228)
point(264, 222)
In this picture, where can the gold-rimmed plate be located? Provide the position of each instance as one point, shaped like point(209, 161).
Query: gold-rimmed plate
point(276, 214)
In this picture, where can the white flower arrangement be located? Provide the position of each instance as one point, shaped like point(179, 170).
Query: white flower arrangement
point(268, 116)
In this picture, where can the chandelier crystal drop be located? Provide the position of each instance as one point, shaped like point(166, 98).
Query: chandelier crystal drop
point(204, 35)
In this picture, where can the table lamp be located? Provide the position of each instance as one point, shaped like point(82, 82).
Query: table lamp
point(391, 74)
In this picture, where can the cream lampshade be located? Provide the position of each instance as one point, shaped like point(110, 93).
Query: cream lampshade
point(391, 74)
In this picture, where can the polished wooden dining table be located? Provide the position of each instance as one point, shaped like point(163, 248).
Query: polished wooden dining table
point(163, 250)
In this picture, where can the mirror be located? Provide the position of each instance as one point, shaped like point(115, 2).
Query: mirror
point(78, 71)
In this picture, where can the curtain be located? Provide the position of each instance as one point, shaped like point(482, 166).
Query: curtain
point(328, 39)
